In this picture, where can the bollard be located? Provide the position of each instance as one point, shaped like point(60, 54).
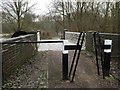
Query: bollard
point(64, 63)
point(38, 38)
point(107, 56)
point(64, 33)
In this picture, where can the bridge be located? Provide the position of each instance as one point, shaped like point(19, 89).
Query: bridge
point(48, 60)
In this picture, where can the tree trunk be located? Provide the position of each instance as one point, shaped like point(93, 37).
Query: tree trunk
point(18, 22)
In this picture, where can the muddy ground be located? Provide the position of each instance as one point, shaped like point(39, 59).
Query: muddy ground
point(45, 71)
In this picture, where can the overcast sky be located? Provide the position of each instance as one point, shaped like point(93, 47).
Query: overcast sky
point(41, 6)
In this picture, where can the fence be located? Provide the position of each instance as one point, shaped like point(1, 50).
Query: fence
point(15, 55)
point(114, 37)
point(115, 54)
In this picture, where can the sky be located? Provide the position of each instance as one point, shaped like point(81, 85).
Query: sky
point(41, 6)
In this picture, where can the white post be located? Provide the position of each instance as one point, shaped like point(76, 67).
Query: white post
point(38, 39)
point(38, 36)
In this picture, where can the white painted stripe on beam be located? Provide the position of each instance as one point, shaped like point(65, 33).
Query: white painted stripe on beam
point(65, 52)
point(64, 43)
point(107, 42)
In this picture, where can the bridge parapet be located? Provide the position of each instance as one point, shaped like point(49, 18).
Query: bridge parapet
point(15, 55)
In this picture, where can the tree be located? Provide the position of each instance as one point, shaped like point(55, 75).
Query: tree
point(15, 11)
point(117, 16)
point(85, 16)
point(28, 21)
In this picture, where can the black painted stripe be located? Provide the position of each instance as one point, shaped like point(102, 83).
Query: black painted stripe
point(65, 66)
point(72, 47)
point(11, 42)
point(106, 46)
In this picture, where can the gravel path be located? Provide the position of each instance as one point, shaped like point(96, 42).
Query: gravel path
point(32, 74)
point(86, 74)
point(45, 71)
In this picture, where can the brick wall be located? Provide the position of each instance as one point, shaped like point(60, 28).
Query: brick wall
point(15, 55)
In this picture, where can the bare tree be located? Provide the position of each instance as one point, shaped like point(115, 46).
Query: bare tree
point(16, 9)
point(117, 5)
point(84, 16)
